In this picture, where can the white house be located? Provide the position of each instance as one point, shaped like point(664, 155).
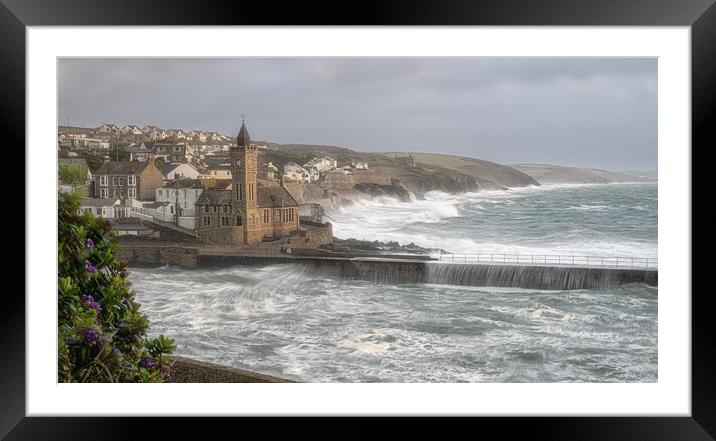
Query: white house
point(107, 208)
point(183, 193)
point(83, 142)
point(140, 152)
point(180, 170)
point(296, 173)
point(269, 171)
point(108, 129)
point(176, 133)
point(130, 129)
point(322, 164)
point(359, 164)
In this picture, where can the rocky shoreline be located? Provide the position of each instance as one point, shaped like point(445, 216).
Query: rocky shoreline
point(188, 370)
point(376, 246)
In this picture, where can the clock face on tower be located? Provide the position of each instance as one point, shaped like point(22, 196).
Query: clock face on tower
point(250, 163)
point(238, 162)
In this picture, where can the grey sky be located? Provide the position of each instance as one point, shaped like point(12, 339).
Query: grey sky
point(572, 111)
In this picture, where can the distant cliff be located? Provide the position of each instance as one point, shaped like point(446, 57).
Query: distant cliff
point(432, 171)
point(558, 174)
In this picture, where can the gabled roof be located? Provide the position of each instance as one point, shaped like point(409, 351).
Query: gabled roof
point(167, 168)
point(130, 226)
point(137, 149)
point(185, 183)
point(219, 184)
point(156, 205)
point(217, 160)
point(71, 161)
point(218, 166)
point(274, 196)
point(122, 168)
point(214, 197)
point(96, 202)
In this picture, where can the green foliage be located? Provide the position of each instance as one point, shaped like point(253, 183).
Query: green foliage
point(101, 332)
point(80, 190)
point(73, 174)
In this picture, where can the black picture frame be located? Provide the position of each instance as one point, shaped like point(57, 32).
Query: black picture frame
point(700, 15)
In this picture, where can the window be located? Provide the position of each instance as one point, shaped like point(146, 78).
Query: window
point(207, 220)
point(224, 220)
point(104, 211)
point(171, 209)
point(225, 208)
point(115, 181)
point(238, 190)
point(104, 193)
point(216, 208)
point(103, 181)
point(131, 180)
point(121, 181)
point(266, 216)
point(206, 208)
point(239, 220)
point(132, 193)
point(277, 215)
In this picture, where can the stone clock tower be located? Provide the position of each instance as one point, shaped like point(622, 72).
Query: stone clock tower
point(243, 179)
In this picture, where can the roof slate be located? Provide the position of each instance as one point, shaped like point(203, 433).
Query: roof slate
point(122, 168)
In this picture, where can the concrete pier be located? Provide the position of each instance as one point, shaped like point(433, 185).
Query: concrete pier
point(394, 270)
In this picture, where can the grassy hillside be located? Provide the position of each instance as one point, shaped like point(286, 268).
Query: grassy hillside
point(426, 176)
point(477, 168)
point(559, 174)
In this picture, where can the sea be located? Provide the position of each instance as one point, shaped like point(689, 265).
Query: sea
point(286, 321)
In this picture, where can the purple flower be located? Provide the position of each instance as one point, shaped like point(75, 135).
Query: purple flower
point(91, 268)
point(148, 362)
point(90, 243)
point(117, 352)
point(90, 335)
point(92, 303)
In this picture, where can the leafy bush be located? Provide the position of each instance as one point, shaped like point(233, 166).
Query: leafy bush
point(101, 332)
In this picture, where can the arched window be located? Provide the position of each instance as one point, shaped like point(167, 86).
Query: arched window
point(239, 220)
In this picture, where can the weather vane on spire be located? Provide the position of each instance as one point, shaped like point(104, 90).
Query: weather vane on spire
point(243, 117)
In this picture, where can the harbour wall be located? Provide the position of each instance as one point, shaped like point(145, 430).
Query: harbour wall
point(399, 271)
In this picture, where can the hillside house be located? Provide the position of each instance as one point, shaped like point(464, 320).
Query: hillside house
point(296, 173)
point(107, 208)
point(127, 179)
point(131, 130)
point(108, 129)
point(140, 152)
point(183, 193)
point(180, 170)
point(169, 150)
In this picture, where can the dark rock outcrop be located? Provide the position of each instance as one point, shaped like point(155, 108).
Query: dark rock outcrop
point(392, 190)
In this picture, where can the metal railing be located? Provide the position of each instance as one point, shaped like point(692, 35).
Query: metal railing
point(546, 260)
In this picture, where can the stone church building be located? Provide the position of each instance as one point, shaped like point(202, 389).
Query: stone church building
point(248, 213)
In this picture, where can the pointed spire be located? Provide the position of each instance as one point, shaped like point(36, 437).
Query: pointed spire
point(243, 139)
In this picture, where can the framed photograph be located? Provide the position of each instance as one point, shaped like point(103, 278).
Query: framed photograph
point(381, 217)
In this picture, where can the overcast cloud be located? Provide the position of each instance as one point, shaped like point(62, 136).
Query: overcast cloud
point(586, 112)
